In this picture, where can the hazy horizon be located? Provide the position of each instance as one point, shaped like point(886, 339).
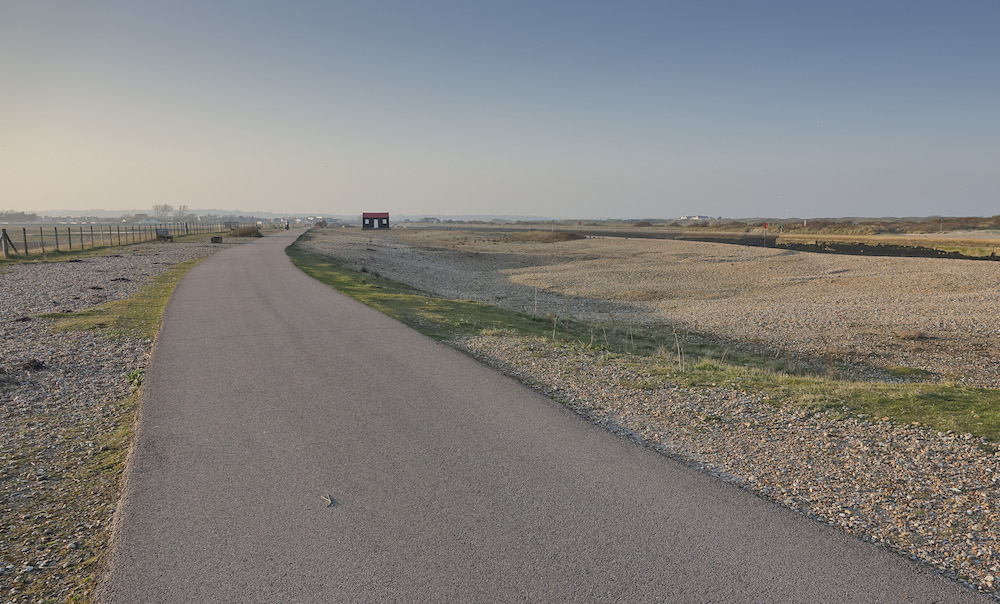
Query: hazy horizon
point(107, 214)
point(554, 109)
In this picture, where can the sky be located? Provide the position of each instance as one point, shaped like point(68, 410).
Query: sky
point(559, 109)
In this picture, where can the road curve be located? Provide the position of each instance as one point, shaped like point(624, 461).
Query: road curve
point(269, 391)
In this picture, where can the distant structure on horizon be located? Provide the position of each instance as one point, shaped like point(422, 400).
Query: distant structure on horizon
point(699, 217)
point(375, 220)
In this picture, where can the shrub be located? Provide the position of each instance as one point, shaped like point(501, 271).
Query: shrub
point(248, 231)
point(910, 334)
point(544, 236)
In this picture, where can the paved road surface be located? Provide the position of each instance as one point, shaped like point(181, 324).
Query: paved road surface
point(452, 483)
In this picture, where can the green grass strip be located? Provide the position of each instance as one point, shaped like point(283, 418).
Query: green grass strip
point(138, 315)
point(657, 350)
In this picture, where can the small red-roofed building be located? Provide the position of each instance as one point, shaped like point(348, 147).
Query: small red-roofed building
point(375, 220)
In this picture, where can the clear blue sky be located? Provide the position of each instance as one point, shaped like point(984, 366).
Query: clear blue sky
point(565, 109)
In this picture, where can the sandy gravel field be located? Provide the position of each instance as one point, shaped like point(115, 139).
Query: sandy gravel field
point(937, 315)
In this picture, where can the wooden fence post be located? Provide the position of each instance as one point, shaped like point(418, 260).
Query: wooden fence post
point(41, 239)
point(3, 240)
point(69, 234)
point(55, 231)
point(24, 231)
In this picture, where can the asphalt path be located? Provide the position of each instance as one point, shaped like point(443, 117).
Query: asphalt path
point(269, 391)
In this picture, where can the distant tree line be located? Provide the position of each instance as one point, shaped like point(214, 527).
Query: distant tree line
point(11, 216)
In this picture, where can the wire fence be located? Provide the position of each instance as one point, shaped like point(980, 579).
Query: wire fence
point(42, 240)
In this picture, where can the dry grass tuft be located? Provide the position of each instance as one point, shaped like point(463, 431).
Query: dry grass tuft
point(910, 334)
point(543, 237)
point(248, 231)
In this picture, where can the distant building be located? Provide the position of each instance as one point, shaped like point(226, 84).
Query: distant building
point(697, 217)
point(375, 220)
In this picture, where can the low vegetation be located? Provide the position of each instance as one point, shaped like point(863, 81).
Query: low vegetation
point(685, 358)
point(247, 231)
point(64, 458)
point(543, 236)
point(67, 255)
point(138, 315)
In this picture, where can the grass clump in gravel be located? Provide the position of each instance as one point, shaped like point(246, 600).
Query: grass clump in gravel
point(944, 407)
point(544, 236)
point(688, 359)
point(138, 315)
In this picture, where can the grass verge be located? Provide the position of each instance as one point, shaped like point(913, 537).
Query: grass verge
point(69, 518)
point(138, 315)
point(60, 493)
point(65, 255)
point(683, 358)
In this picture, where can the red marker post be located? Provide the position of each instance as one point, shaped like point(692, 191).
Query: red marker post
point(765, 234)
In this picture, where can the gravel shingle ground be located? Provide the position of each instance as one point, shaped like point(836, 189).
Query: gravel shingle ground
point(929, 495)
point(60, 398)
point(937, 315)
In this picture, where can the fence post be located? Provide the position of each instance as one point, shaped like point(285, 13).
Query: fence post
point(3, 240)
point(81, 238)
point(91, 236)
point(41, 239)
point(69, 234)
point(55, 231)
point(24, 231)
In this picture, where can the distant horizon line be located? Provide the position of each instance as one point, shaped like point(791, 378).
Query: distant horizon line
point(102, 213)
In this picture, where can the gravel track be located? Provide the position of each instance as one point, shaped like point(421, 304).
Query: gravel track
point(60, 397)
point(926, 494)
